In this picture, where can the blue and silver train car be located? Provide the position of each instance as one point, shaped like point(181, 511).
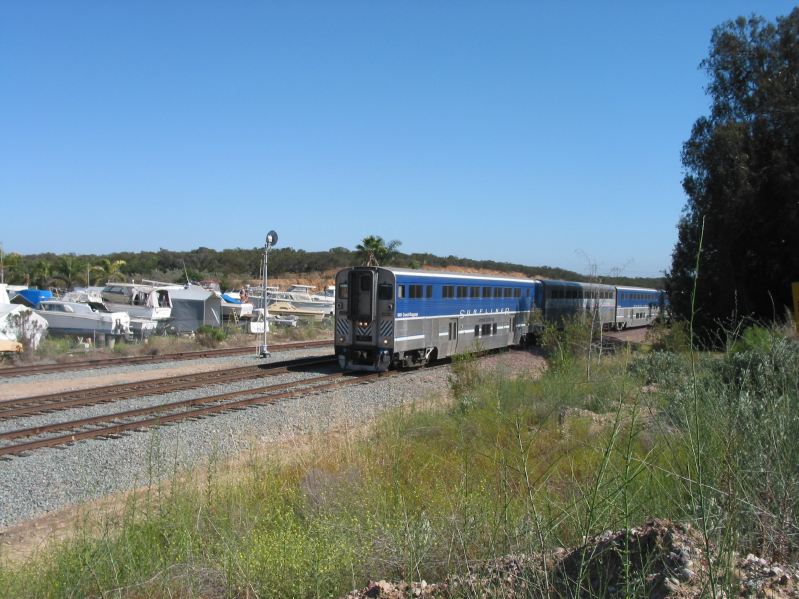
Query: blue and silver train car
point(593, 301)
point(403, 317)
point(638, 306)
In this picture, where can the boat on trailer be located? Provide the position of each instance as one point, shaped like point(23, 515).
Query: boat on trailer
point(84, 319)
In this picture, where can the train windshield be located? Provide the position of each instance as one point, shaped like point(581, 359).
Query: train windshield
point(360, 284)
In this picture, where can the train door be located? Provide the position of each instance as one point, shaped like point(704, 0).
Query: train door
point(452, 336)
point(362, 304)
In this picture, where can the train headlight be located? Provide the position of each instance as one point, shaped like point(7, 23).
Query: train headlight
point(385, 341)
point(341, 339)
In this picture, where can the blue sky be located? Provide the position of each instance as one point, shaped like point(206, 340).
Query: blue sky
point(530, 132)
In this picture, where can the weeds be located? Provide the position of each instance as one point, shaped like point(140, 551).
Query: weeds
point(514, 466)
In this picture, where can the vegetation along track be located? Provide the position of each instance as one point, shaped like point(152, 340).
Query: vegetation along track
point(115, 424)
point(28, 406)
point(13, 371)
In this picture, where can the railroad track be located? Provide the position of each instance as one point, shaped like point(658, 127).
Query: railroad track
point(14, 371)
point(29, 406)
point(115, 424)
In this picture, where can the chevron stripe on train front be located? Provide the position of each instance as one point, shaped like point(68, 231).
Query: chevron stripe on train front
point(386, 328)
point(342, 327)
point(364, 331)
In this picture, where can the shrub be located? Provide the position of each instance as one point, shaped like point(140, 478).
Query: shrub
point(670, 336)
point(209, 336)
point(660, 367)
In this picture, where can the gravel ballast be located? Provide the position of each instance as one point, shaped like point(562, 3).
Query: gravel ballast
point(50, 479)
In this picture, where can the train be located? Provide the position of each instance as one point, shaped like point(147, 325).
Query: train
point(396, 317)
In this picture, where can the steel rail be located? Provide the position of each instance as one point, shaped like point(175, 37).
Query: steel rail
point(14, 371)
point(26, 406)
point(165, 407)
point(116, 429)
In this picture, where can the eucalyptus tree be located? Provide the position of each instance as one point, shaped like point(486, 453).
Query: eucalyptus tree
point(742, 179)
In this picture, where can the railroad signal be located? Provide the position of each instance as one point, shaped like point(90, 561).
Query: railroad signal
point(271, 240)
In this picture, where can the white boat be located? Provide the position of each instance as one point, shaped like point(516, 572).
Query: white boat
point(83, 320)
point(302, 300)
point(232, 306)
point(139, 301)
point(18, 325)
point(141, 328)
point(286, 308)
point(256, 323)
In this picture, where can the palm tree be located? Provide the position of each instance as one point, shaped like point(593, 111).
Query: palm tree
point(110, 270)
point(41, 276)
point(67, 269)
point(373, 250)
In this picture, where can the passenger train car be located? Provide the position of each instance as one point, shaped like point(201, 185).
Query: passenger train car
point(566, 298)
point(400, 317)
point(393, 316)
point(638, 306)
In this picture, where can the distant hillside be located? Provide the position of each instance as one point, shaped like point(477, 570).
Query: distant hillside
point(234, 266)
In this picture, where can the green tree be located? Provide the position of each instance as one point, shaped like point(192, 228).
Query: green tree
point(15, 268)
point(109, 270)
point(374, 249)
point(41, 274)
point(742, 178)
point(69, 270)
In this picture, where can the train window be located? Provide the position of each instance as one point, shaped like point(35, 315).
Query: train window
point(400, 291)
point(366, 283)
point(486, 329)
point(414, 291)
point(517, 292)
point(495, 328)
point(508, 292)
point(474, 292)
point(428, 292)
point(385, 291)
point(497, 291)
point(486, 291)
point(343, 291)
point(462, 291)
point(477, 330)
point(447, 291)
